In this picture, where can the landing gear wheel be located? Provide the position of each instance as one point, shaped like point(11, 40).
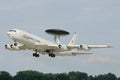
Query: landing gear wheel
point(35, 54)
point(52, 55)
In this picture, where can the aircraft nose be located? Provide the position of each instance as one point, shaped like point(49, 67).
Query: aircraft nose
point(9, 34)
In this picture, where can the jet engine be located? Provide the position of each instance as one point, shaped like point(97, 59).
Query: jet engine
point(12, 47)
point(84, 47)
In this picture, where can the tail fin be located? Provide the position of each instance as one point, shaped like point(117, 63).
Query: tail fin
point(73, 40)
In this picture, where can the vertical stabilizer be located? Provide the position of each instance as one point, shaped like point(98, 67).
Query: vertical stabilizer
point(74, 39)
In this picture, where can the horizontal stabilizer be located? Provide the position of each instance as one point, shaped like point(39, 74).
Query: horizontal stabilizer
point(72, 53)
point(80, 53)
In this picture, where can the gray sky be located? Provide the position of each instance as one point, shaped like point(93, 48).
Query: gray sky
point(96, 22)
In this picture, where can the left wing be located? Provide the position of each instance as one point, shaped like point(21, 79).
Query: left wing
point(79, 47)
point(87, 47)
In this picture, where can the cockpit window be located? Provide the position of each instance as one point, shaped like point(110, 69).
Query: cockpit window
point(12, 30)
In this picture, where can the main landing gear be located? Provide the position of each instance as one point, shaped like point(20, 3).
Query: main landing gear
point(35, 54)
point(50, 53)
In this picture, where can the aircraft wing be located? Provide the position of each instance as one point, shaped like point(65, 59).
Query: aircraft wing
point(45, 46)
point(87, 47)
point(41, 47)
point(17, 47)
point(79, 47)
point(24, 47)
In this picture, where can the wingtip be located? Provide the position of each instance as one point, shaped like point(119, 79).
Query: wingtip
point(109, 46)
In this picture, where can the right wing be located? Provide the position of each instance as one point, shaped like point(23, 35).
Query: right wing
point(25, 47)
point(17, 47)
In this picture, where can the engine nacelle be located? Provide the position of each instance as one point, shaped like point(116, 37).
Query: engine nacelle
point(84, 47)
point(12, 47)
point(62, 47)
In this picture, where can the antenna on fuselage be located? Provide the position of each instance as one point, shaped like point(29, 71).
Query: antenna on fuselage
point(57, 33)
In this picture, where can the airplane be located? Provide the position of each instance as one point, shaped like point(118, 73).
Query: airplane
point(29, 41)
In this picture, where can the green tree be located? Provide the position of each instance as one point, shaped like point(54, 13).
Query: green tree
point(118, 79)
point(78, 76)
point(108, 76)
point(29, 75)
point(91, 78)
point(111, 76)
point(72, 76)
point(5, 75)
point(49, 76)
point(62, 76)
point(81, 76)
point(34, 75)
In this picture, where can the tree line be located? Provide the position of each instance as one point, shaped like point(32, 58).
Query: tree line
point(35, 75)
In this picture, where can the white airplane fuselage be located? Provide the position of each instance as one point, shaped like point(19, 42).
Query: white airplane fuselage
point(43, 46)
point(32, 40)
